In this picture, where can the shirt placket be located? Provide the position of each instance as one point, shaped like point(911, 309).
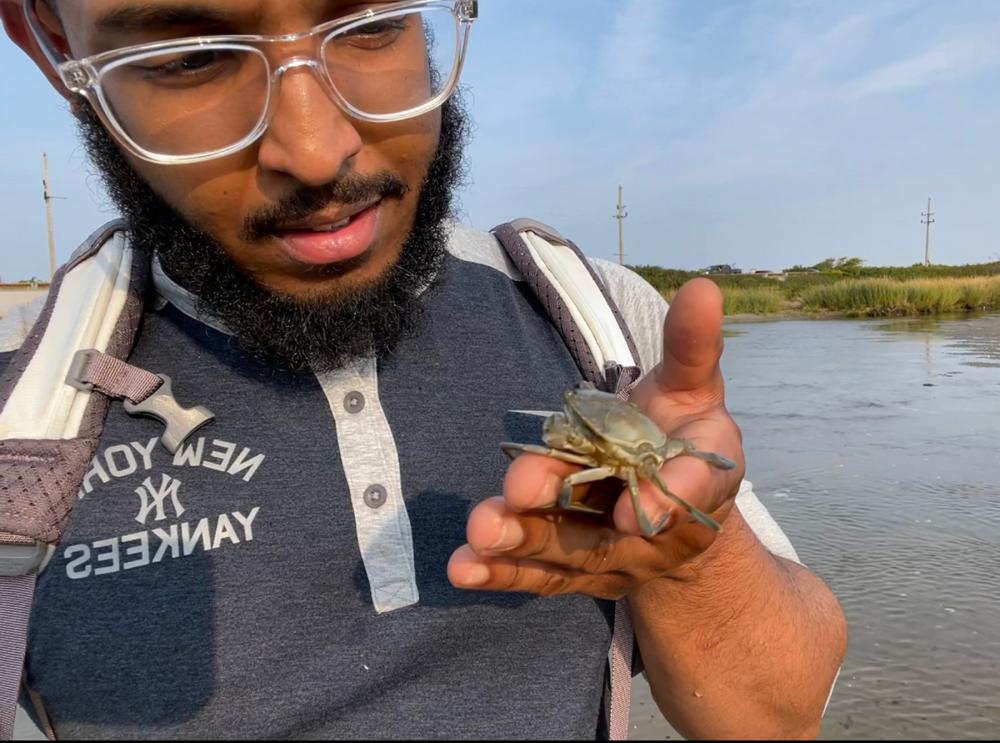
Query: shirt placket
point(371, 464)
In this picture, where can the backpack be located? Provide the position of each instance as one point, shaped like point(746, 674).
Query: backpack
point(51, 422)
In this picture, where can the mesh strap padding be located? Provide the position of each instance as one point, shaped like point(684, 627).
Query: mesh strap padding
point(39, 482)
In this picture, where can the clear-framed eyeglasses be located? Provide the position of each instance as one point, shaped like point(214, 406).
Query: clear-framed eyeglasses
point(195, 99)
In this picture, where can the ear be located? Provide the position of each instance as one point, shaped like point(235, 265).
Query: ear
point(16, 25)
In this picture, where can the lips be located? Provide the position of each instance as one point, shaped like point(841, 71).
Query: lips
point(326, 240)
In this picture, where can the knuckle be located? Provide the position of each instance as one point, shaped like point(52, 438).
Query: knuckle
point(553, 584)
point(600, 559)
point(614, 587)
point(539, 542)
point(515, 578)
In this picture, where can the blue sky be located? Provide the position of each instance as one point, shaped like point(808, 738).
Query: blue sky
point(763, 134)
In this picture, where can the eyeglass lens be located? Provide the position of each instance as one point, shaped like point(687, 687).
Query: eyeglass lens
point(199, 99)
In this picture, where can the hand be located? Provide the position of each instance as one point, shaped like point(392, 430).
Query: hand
point(519, 543)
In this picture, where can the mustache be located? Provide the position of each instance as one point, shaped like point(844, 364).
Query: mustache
point(308, 200)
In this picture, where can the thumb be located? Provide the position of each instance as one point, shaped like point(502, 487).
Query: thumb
point(692, 339)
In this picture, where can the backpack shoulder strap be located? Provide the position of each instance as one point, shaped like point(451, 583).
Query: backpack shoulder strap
point(595, 332)
point(51, 420)
point(49, 430)
point(576, 301)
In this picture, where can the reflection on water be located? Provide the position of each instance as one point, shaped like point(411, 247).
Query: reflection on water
point(875, 445)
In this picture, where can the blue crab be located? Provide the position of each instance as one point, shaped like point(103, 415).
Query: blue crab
point(612, 438)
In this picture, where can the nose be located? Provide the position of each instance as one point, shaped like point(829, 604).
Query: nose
point(309, 137)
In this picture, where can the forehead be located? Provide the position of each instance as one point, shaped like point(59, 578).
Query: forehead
point(103, 23)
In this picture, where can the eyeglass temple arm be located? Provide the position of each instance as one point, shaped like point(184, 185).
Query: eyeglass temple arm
point(41, 38)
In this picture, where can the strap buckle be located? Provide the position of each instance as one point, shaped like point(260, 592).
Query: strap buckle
point(180, 422)
point(143, 392)
point(19, 560)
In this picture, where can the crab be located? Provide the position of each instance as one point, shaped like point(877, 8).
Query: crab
point(612, 438)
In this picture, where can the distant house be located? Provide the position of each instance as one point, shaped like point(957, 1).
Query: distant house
point(24, 292)
point(723, 269)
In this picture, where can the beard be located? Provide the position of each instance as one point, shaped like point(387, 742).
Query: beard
point(317, 334)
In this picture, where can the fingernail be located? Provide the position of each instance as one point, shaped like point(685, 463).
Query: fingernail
point(476, 575)
point(511, 536)
point(553, 488)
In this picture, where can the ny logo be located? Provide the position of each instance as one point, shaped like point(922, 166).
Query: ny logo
point(153, 497)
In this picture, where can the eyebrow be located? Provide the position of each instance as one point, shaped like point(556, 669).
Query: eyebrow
point(134, 18)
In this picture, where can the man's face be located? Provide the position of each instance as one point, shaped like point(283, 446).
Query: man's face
point(270, 206)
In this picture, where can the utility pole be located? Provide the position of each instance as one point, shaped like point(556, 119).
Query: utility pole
point(928, 219)
point(621, 216)
point(48, 214)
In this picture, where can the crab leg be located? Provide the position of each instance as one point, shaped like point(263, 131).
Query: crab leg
point(512, 450)
point(644, 523)
point(677, 447)
point(582, 478)
point(653, 474)
point(714, 459)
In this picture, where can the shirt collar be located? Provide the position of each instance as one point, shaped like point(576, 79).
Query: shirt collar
point(172, 292)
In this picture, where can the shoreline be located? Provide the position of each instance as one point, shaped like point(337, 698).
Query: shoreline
point(742, 318)
point(801, 315)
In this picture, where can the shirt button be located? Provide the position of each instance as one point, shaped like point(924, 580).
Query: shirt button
point(354, 402)
point(376, 496)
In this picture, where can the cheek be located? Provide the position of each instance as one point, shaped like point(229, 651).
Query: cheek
point(210, 199)
point(408, 146)
point(430, 138)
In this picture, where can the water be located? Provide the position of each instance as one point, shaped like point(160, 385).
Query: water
point(875, 445)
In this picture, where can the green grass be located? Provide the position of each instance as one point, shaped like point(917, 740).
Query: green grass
point(917, 290)
point(878, 297)
point(765, 300)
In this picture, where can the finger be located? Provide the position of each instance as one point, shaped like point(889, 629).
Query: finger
point(557, 538)
point(534, 482)
point(469, 571)
point(692, 339)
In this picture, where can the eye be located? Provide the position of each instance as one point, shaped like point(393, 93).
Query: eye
point(195, 66)
point(376, 34)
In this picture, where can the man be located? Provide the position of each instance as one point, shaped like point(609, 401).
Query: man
point(343, 553)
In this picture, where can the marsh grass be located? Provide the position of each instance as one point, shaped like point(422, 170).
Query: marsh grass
point(871, 293)
point(884, 296)
point(753, 301)
point(746, 301)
